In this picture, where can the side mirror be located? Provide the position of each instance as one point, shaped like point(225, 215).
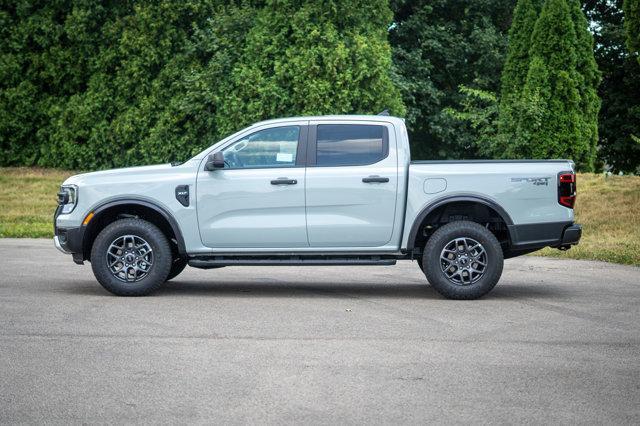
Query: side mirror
point(215, 161)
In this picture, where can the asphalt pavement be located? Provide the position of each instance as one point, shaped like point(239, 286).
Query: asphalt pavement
point(557, 341)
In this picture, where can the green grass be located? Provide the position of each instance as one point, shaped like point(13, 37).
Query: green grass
point(28, 200)
point(609, 210)
point(607, 207)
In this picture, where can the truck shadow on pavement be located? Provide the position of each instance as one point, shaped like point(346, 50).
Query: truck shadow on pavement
point(323, 289)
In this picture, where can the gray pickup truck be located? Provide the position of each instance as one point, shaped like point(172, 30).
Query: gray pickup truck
point(329, 190)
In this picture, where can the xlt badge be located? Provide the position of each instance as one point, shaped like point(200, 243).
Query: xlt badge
point(182, 194)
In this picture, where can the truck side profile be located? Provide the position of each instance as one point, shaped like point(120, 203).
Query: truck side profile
point(327, 190)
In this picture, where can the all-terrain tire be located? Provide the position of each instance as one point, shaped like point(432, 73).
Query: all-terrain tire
point(127, 284)
point(479, 284)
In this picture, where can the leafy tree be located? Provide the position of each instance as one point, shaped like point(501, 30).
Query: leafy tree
point(480, 109)
point(632, 26)
point(308, 57)
point(139, 105)
point(619, 118)
point(91, 85)
point(439, 45)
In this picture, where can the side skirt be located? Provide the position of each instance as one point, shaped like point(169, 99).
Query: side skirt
point(209, 262)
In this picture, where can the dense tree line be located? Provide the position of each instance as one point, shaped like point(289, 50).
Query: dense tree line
point(90, 85)
point(87, 84)
point(632, 26)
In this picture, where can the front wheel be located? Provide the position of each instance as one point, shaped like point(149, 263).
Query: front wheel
point(131, 257)
point(463, 260)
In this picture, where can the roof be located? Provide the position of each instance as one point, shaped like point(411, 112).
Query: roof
point(384, 118)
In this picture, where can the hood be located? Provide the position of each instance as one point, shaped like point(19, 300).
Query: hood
point(133, 173)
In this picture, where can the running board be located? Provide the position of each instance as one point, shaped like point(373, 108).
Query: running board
point(210, 262)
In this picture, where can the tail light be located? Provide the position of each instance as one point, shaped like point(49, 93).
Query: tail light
point(567, 189)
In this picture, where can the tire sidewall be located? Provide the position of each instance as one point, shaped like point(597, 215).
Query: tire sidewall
point(161, 251)
point(461, 229)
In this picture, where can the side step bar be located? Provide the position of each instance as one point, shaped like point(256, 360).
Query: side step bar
point(210, 262)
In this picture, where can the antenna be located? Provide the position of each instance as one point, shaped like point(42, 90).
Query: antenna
point(385, 112)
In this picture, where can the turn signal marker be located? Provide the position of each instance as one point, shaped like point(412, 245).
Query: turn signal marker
point(88, 218)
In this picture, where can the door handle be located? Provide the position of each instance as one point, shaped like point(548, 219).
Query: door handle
point(375, 179)
point(284, 181)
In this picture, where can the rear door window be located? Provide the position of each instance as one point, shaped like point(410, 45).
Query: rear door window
point(350, 144)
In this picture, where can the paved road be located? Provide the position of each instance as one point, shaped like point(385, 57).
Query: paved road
point(556, 341)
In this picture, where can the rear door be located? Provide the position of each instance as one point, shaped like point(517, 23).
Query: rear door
point(351, 184)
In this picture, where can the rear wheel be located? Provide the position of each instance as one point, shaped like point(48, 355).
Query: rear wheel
point(131, 257)
point(463, 260)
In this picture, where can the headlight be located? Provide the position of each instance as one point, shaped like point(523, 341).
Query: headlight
point(68, 198)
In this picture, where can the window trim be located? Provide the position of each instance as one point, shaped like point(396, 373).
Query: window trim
point(312, 144)
point(303, 137)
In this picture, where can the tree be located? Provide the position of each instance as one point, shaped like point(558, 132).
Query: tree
point(589, 80)
point(88, 85)
point(516, 67)
point(308, 57)
point(439, 45)
point(619, 118)
point(632, 26)
point(552, 88)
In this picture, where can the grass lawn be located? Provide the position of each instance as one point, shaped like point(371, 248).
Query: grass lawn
point(607, 207)
point(28, 200)
point(609, 210)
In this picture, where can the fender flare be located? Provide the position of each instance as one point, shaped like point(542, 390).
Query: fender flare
point(415, 228)
point(148, 204)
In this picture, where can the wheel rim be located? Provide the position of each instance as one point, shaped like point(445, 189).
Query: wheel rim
point(463, 261)
point(129, 258)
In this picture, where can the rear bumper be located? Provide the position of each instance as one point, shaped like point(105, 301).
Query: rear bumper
point(572, 235)
point(531, 237)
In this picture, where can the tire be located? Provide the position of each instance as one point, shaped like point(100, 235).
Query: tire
point(460, 274)
point(419, 260)
point(131, 245)
point(177, 267)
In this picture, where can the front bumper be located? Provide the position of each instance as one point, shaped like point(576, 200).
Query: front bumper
point(68, 240)
point(56, 242)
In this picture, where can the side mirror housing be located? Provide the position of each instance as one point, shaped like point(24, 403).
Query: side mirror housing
point(214, 161)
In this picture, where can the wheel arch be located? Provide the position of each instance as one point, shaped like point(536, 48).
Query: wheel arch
point(112, 210)
point(428, 211)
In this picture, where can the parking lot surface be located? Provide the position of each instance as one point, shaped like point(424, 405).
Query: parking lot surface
point(556, 341)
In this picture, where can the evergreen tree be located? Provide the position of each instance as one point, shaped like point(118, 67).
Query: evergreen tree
point(515, 71)
point(589, 79)
point(308, 57)
point(632, 26)
point(551, 92)
point(516, 64)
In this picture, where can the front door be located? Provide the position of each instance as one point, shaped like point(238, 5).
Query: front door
point(257, 200)
point(352, 181)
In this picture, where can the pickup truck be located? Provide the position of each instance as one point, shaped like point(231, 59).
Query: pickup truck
point(326, 190)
